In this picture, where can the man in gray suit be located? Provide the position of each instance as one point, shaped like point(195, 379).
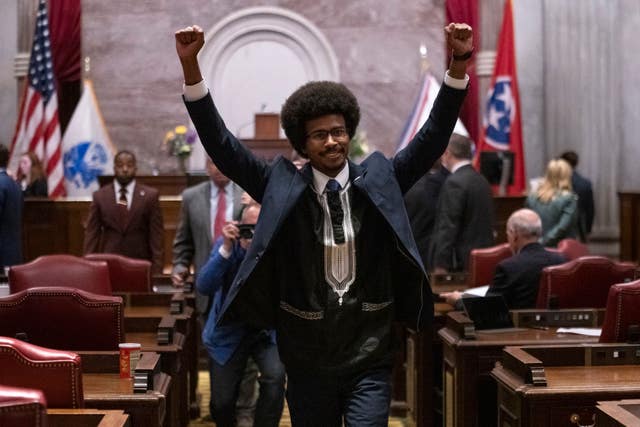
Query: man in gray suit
point(195, 233)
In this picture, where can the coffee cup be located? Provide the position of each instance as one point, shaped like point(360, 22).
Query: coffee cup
point(129, 356)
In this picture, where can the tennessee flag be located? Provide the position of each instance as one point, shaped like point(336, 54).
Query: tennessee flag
point(502, 130)
point(87, 148)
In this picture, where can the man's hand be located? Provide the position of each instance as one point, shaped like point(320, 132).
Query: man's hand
point(189, 41)
point(459, 38)
point(177, 279)
point(451, 297)
point(230, 233)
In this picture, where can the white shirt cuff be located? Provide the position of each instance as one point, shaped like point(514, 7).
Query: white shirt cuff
point(195, 92)
point(223, 252)
point(451, 82)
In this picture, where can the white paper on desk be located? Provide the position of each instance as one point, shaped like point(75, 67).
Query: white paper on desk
point(480, 291)
point(591, 332)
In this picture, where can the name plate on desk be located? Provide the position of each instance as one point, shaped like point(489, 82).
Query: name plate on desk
point(166, 328)
point(575, 317)
point(146, 372)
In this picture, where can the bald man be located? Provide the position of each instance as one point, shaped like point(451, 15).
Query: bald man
point(517, 278)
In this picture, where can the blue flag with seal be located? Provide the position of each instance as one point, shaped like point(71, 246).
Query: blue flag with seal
point(86, 146)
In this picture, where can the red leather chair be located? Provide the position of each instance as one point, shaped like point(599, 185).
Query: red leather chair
point(126, 274)
point(622, 310)
point(572, 249)
point(57, 373)
point(61, 270)
point(22, 407)
point(483, 262)
point(63, 318)
point(583, 282)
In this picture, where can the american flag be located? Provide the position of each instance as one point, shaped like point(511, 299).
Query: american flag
point(37, 128)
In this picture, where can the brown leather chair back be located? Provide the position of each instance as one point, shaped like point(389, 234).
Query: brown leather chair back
point(126, 274)
point(61, 270)
point(623, 310)
point(63, 318)
point(22, 407)
point(483, 262)
point(57, 373)
point(583, 282)
point(572, 249)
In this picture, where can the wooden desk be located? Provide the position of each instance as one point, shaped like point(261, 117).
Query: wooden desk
point(180, 357)
point(104, 389)
point(187, 324)
point(172, 363)
point(560, 385)
point(618, 413)
point(86, 418)
point(469, 392)
point(65, 219)
point(423, 356)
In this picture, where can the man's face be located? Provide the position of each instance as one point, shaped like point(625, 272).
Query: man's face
point(218, 178)
point(125, 168)
point(327, 144)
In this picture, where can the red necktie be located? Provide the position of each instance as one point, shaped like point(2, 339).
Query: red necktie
point(221, 214)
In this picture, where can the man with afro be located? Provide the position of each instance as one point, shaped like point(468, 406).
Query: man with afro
point(333, 262)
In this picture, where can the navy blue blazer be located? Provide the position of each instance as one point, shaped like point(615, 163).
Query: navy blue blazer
point(11, 205)
point(279, 185)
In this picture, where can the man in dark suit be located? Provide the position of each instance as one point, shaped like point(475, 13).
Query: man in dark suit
point(125, 217)
point(583, 188)
point(464, 216)
point(333, 260)
point(421, 201)
point(517, 278)
point(11, 204)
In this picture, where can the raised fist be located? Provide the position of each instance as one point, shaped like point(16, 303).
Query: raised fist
point(189, 41)
point(459, 38)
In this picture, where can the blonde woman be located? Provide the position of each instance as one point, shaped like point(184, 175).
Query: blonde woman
point(556, 203)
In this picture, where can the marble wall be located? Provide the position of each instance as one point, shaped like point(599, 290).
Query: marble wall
point(138, 80)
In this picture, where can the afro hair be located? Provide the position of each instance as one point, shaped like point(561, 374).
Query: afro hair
point(313, 100)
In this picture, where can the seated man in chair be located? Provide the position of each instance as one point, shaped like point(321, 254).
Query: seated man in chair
point(517, 278)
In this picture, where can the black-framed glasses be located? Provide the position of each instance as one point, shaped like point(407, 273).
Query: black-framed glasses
point(338, 134)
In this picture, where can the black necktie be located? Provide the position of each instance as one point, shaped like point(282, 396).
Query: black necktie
point(123, 196)
point(335, 209)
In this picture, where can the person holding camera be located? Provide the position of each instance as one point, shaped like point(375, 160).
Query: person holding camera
point(230, 345)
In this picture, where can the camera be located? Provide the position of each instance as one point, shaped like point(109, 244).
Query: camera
point(246, 230)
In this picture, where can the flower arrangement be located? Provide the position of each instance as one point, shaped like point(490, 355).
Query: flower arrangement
point(179, 141)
